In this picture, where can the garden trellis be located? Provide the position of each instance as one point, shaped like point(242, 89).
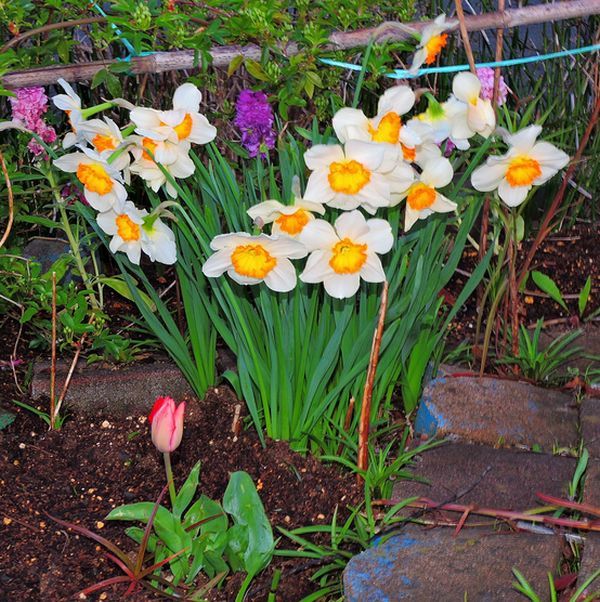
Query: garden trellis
point(160, 62)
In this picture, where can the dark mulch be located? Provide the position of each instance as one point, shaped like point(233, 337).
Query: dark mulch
point(93, 465)
point(568, 257)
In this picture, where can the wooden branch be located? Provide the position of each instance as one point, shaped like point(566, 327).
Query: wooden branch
point(160, 62)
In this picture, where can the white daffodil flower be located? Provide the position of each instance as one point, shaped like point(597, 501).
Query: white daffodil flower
point(134, 231)
point(102, 183)
point(386, 126)
point(179, 166)
point(183, 123)
point(527, 163)
point(359, 174)
point(433, 40)
point(422, 198)
point(439, 122)
point(480, 116)
point(287, 220)
point(105, 137)
point(342, 254)
point(251, 259)
point(70, 103)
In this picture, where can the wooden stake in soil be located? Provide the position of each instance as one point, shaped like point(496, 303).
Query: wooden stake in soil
point(365, 410)
point(11, 206)
point(53, 358)
point(465, 36)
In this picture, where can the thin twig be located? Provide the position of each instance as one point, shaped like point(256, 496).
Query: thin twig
point(11, 203)
point(460, 13)
point(365, 410)
point(65, 388)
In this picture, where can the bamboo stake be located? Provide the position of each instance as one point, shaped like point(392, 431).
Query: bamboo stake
point(460, 13)
point(365, 409)
point(53, 357)
point(160, 62)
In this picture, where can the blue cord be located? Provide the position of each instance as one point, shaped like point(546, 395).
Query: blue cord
point(126, 42)
point(404, 73)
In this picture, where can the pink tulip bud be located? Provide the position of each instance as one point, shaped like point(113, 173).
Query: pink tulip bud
point(167, 424)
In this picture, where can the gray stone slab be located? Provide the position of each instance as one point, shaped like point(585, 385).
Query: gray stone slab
point(486, 477)
point(588, 341)
point(125, 390)
point(590, 563)
point(591, 489)
point(590, 424)
point(426, 565)
point(498, 412)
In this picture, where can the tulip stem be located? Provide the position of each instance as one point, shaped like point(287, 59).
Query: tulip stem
point(169, 471)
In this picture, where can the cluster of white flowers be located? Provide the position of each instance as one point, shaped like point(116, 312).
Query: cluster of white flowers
point(107, 157)
point(380, 161)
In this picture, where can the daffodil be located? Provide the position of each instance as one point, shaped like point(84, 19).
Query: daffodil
point(183, 123)
point(176, 161)
point(386, 126)
point(433, 41)
point(102, 183)
point(343, 254)
point(287, 220)
point(359, 174)
point(527, 163)
point(439, 122)
point(134, 230)
point(422, 198)
point(251, 259)
point(105, 137)
point(70, 103)
point(479, 115)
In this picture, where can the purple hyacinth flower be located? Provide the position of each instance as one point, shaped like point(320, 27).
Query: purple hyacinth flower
point(254, 118)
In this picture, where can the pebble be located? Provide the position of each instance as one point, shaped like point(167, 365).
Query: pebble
point(21, 446)
point(105, 425)
point(99, 525)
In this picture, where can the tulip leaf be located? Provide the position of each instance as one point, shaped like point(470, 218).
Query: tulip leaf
point(242, 502)
point(547, 285)
point(203, 509)
point(187, 492)
point(584, 295)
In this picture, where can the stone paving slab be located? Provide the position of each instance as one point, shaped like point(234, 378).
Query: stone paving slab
point(588, 342)
point(426, 565)
point(591, 489)
point(590, 424)
point(96, 389)
point(590, 563)
point(497, 412)
point(485, 477)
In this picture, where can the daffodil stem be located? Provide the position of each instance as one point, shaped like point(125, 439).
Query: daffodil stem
point(96, 109)
point(169, 471)
point(64, 218)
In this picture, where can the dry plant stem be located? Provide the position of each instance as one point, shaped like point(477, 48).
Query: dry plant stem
point(546, 226)
point(11, 203)
point(499, 41)
point(365, 410)
point(460, 13)
point(53, 358)
point(160, 62)
point(347, 422)
point(65, 388)
point(512, 287)
point(50, 27)
point(507, 515)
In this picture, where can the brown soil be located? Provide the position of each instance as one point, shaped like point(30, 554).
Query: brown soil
point(79, 473)
point(568, 257)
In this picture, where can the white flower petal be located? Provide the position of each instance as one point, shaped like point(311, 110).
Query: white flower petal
point(351, 124)
point(549, 156)
point(512, 195)
point(523, 140)
point(318, 234)
point(442, 204)
point(437, 173)
point(322, 155)
point(341, 286)
point(282, 278)
point(399, 99)
point(466, 87)
point(372, 270)
point(187, 97)
point(351, 225)
point(217, 263)
point(317, 267)
point(379, 238)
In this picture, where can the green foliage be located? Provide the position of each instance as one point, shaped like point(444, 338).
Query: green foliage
point(199, 533)
point(580, 595)
point(542, 365)
point(548, 286)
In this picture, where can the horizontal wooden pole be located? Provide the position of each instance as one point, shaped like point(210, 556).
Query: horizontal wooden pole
point(160, 62)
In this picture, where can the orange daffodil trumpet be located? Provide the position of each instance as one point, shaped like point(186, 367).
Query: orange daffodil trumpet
point(422, 198)
point(433, 41)
point(251, 259)
point(343, 254)
point(527, 163)
point(134, 230)
point(102, 183)
point(358, 174)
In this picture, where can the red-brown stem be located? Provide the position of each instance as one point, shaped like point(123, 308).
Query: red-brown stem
point(499, 40)
point(460, 13)
point(53, 357)
point(546, 228)
point(513, 294)
point(365, 410)
point(427, 504)
point(65, 388)
point(11, 206)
